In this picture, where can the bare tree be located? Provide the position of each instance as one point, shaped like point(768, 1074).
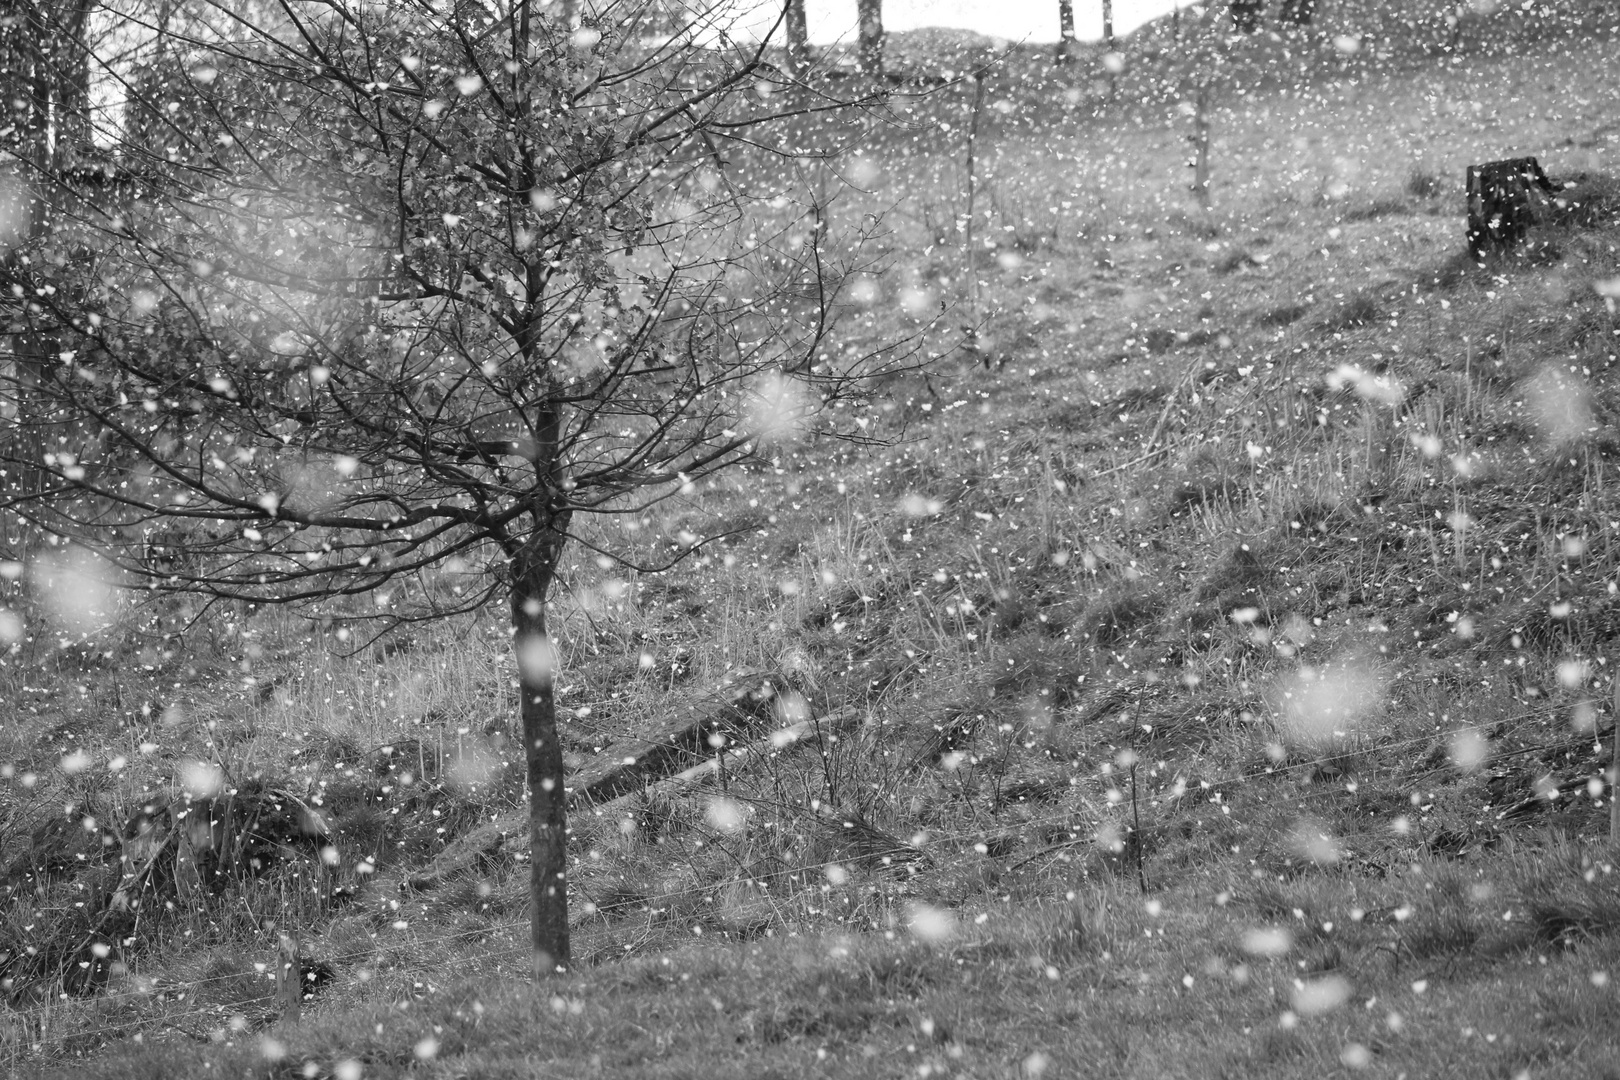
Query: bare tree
point(411, 292)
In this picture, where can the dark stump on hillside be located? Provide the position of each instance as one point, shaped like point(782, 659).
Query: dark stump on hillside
point(1298, 12)
point(1246, 15)
point(1504, 199)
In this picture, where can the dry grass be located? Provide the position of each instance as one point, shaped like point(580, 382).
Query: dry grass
point(1426, 970)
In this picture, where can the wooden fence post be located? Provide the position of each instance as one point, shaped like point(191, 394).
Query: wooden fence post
point(289, 976)
point(1614, 769)
point(1200, 143)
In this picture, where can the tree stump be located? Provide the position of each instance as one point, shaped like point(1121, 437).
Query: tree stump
point(1504, 199)
point(1298, 12)
point(1246, 15)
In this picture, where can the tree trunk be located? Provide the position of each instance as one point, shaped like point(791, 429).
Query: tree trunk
point(1066, 40)
point(798, 38)
point(26, 87)
point(71, 64)
point(1108, 23)
point(534, 567)
point(19, 122)
point(870, 15)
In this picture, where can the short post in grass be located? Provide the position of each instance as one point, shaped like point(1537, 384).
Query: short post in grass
point(1614, 769)
point(1136, 830)
point(289, 977)
point(1504, 199)
point(1200, 143)
point(972, 189)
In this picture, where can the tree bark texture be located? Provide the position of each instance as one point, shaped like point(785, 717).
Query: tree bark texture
point(534, 568)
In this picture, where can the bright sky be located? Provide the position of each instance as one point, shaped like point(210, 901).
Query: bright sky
point(1033, 20)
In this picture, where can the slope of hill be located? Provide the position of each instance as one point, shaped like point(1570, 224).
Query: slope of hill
point(1212, 679)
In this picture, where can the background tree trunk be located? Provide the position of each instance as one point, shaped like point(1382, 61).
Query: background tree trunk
point(70, 62)
point(870, 13)
point(534, 569)
point(45, 120)
point(1108, 23)
point(798, 38)
point(1066, 39)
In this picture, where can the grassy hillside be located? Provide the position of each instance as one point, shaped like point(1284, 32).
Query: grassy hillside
point(1212, 678)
